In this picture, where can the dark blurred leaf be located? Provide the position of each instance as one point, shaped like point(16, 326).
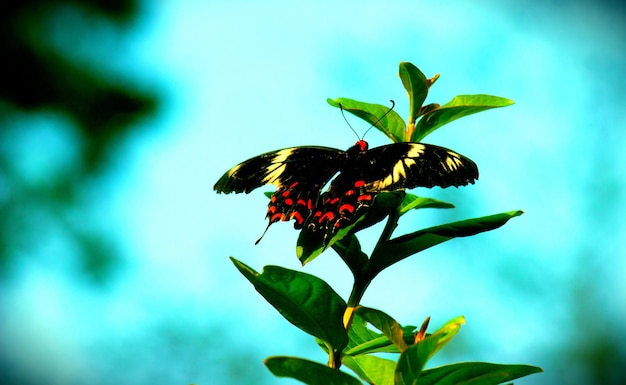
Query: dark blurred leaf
point(99, 257)
point(42, 71)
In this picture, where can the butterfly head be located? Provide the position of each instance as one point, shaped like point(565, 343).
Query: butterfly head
point(361, 145)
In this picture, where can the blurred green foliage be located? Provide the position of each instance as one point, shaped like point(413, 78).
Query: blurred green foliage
point(58, 64)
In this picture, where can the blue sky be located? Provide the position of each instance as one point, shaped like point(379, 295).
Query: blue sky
point(243, 77)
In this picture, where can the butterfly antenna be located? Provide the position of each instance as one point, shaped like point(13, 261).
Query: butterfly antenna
point(393, 104)
point(348, 123)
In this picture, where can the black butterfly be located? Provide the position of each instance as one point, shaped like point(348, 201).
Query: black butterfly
point(359, 174)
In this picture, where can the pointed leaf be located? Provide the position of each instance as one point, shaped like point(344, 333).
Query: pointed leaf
point(309, 372)
point(444, 334)
point(304, 300)
point(458, 107)
point(374, 370)
point(364, 340)
point(311, 244)
point(383, 322)
point(404, 246)
point(391, 124)
point(412, 202)
point(475, 373)
point(413, 360)
point(416, 86)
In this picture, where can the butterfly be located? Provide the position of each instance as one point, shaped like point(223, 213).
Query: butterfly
point(356, 176)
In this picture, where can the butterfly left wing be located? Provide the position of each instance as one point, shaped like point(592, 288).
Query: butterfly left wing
point(284, 167)
point(298, 172)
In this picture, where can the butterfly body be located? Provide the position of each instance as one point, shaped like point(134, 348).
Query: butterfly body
point(356, 176)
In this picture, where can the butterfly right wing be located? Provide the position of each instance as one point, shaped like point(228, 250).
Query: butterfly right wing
point(408, 165)
point(299, 173)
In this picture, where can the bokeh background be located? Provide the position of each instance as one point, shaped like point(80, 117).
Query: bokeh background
point(116, 118)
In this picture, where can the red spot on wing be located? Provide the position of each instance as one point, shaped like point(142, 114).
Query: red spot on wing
point(328, 216)
point(346, 207)
point(278, 217)
point(364, 197)
point(298, 217)
point(359, 183)
point(308, 203)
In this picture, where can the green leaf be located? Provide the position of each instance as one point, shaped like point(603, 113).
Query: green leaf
point(311, 244)
point(475, 373)
point(383, 322)
point(394, 250)
point(416, 86)
point(458, 107)
point(444, 334)
point(372, 369)
point(304, 300)
point(412, 362)
point(413, 202)
point(309, 372)
point(349, 249)
point(392, 125)
point(413, 359)
point(364, 340)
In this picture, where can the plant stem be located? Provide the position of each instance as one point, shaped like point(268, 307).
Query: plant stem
point(358, 289)
point(362, 280)
point(390, 226)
